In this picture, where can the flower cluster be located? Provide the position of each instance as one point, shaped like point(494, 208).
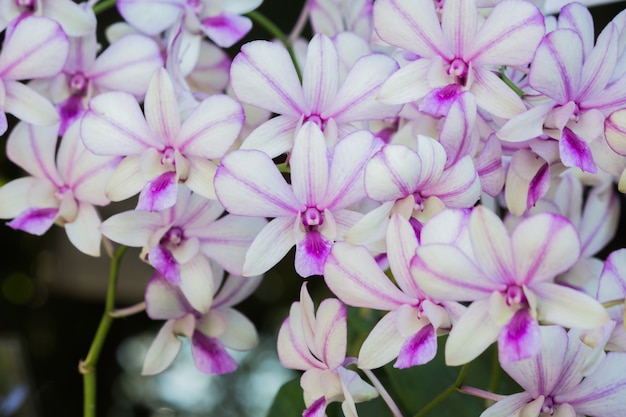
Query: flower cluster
point(453, 164)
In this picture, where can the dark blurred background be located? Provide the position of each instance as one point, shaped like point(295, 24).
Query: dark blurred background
point(52, 298)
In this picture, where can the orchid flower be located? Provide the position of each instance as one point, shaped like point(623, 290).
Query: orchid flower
point(210, 332)
point(220, 20)
point(178, 242)
point(34, 47)
point(575, 75)
point(160, 150)
point(126, 65)
point(612, 287)
point(566, 378)
point(64, 191)
point(263, 75)
point(312, 212)
point(458, 54)
point(507, 277)
point(316, 344)
point(75, 19)
point(409, 331)
point(331, 17)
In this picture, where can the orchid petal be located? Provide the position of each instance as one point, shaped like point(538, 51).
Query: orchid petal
point(309, 165)
point(126, 65)
point(459, 22)
point(211, 137)
point(165, 263)
point(248, 183)
point(392, 173)
point(520, 338)
point(568, 307)
point(196, 283)
point(37, 47)
point(161, 108)
point(471, 335)
point(509, 36)
point(600, 64)
point(401, 247)
point(15, 196)
point(458, 186)
point(419, 349)
point(263, 75)
point(382, 344)
point(575, 152)
point(83, 231)
point(292, 348)
point(131, 228)
point(149, 19)
point(576, 16)
point(160, 193)
point(331, 332)
point(353, 275)
point(494, 96)
point(270, 246)
point(226, 29)
point(114, 125)
point(33, 149)
point(544, 246)
point(209, 355)
point(356, 98)
point(35, 221)
point(510, 406)
point(311, 254)
point(127, 179)
point(411, 25)
point(527, 180)
point(273, 137)
point(493, 248)
point(26, 104)
point(164, 300)
point(162, 351)
point(320, 80)
point(408, 84)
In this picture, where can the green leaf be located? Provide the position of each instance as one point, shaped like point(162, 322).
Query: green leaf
point(289, 400)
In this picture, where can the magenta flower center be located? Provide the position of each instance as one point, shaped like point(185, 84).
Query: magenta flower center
point(168, 159)
point(311, 218)
point(317, 119)
point(78, 83)
point(173, 238)
point(548, 406)
point(26, 5)
point(514, 296)
point(459, 69)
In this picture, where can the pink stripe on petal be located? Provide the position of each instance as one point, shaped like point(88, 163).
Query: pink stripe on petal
point(520, 338)
point(226, 29)
point(209, 356)
point(419, 349)
point(316, 409)
point(438, 101)
point(159, 193)
point(35, 221)
point(163, 261)
point(575, 152)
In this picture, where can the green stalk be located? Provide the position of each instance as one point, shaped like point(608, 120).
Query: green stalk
point(445, 394)
point(510, 83)
point(103, 6)
point(87, 367)
point(278, 34)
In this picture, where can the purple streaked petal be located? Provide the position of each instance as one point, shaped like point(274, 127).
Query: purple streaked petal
point(471, 334)
point(489, 166)
point(160, 193)
point(411, 25)
point(126, 65)
point(461, 280)
point(511, 406)
point(493, 95)
point(527, 125)
point(320, 80)
point(73, 18)
point(615, 131)
point(316, 409)
point(459, 22)
point(292, 348)
point(419, 349)
point(576, 16)
point(35, 221)
point(212, 128)
point(347, 169)
point(600, 64)
point(270, 246)
point(83, 232)
point(354, 276)
point(165, 263)
point(127, 179)
point(331, 332)
point(311, 254)
point(557, 66)
point(240, 333)
point(163, 349)
point(115, 125)
point(382, 343)
point(161, 108)
point(33, 149)
point(458, 186)
point(527, 180)
point(226, 29)
point(70, 111)
point(356, 98)
point(492, 246)
point(401, 246)
point(458, 135)
point(263, 75)
point(248, 183)
point(575, 152)
point(520, 338)
point(392, 173)
point(197, 283)
point(209, 356)
point(273, 137)
point(509, 36)
point(16, 195)
point(28, 105)
point(309, 165)
point(409, 83)
point(37, 47)
point(568, 307)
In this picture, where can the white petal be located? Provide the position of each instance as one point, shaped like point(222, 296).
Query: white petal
point(270, 246)
point(196, 283)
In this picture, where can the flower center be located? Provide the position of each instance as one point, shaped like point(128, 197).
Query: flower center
point(317, 119)
point(459, 69)
point(548, 406)
point(311, 218)
point(26, 5)
point(168, 159)
point(515, 296)
point(173, 237)
point(78, 83)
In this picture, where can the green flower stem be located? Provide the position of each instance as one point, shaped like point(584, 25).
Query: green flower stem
point(510, 83)
point(278, 34)
point(87, 367)
point(613, 303)
point(445, 394)
point(103, 6)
